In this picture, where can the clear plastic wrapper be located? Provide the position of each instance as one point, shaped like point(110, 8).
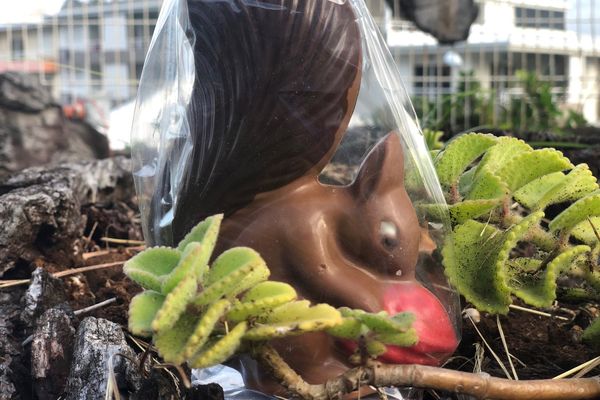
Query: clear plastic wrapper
point(290, 118)
point(234, 389)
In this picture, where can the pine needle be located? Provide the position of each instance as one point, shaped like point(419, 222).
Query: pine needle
point(508, 355)
point(498, 360)
point(536, 312)
point(122, 241)
point(578, 368)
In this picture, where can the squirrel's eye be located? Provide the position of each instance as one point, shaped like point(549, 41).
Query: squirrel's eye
point(389, 234)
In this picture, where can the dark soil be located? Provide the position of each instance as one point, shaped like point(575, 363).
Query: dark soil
point(116, 221)
point(544, 346)
point(97, 286)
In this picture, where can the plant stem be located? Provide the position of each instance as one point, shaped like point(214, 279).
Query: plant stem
point(454, 194)
point(480, 385)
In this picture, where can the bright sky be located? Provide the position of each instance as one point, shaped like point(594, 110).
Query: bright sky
point(27, 10)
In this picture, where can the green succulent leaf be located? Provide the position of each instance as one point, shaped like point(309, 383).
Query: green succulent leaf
point(471, 209)
point(230, 261)
point(206, 233)
point(349, 328)
point(432, 212)
point(404, 319)
point(234, 272)
point(383, 323)
point(148, 267)
point(579, 211)
point(403, 339)
point(532, 193)
point(487, 185)
point(205, 327)
point(375, 348)
point(535, 286)
point(142, 310)
point(587, 231)
point(475, 258)
point(591, 334)
point(396, 329)
point(470, 257)
point(458, 154)
point(222, 349)
point(497, 156)
point(170, 343)
point(525, 167)
point(188, 307)
point(293, 319)
point(433, 139)
point(578, 183)
point(465, 182)
point(175, 304)
point(193, 261)
point(261, 298)
point(557, 188)
point(477, 255)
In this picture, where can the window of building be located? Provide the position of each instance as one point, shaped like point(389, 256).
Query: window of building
point(431, 79)
point(558, 20)
point(552, 68)
point(64, 56)
point(18, 47)
point(546, 65)
point(397, 12)
point(96, 73)
point(526, 17)
point(94, 34)
point(138, 70)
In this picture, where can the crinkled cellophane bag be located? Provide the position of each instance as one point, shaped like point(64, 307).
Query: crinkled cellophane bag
point(289, 117)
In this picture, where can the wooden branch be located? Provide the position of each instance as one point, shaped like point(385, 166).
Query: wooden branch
point(482, 385)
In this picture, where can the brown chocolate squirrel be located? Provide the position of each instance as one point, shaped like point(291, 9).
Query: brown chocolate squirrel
point(276, 85)
point(354, 246)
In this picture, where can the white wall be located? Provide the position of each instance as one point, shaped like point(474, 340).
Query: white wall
point(73, 38)
point(114, 74)
point(555, 4)
point(114, 33)
point(591, 90)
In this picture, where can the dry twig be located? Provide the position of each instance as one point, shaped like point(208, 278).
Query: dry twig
point(95, 306)
point(508, 355)
point(498, 360)
point(536, 312)
point(68, 272)
point(482, 386)
point(122, 241)
point(578, 368)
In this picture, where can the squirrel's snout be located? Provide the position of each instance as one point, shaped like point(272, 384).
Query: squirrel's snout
point(436, 333)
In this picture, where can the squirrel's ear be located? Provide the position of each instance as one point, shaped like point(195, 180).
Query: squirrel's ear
point(382, 170)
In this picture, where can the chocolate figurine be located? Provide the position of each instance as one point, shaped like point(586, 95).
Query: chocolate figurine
point(276, 85)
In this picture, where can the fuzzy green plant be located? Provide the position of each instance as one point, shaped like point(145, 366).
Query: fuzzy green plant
point(502, 244)
point(433, 140)
point(202, 314)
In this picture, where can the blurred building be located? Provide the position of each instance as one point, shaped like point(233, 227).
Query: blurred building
point(92, 50)
point(558, 40)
